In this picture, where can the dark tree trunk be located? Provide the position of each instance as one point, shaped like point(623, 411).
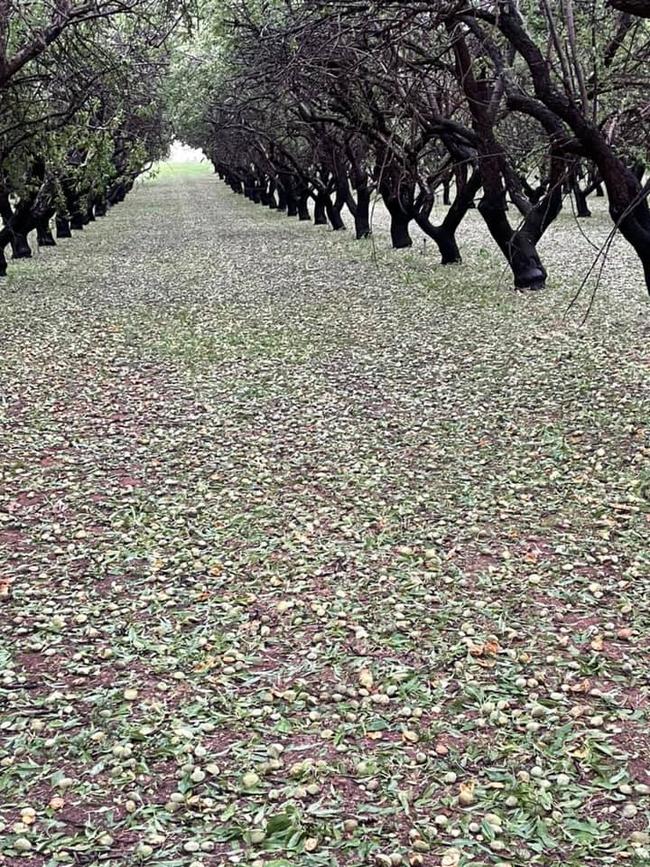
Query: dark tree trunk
point(444, 235)
point(44, 234)
point(77, 221)
point(282, 199)
point(63, 227)
point(6, 213)
point(303, 208)
point(90, 213)
point(100, 206)
point(359, 207)
point(362, 215)
point(250, 190)
point(448, 247)
point(18, 225)
point(399, 224)
point(445, 239)
point(116, 195)
point(635, 228)
point(21, 226)
point(582, 208)
point(518, 249)
point(579, 195)
point(446, 185)
point(292, 205)
point(320, 209)
point(335, 211)
point(334, 214)
point(4, 240)
point(600, 192)
point(460, 175)
point(20, 248)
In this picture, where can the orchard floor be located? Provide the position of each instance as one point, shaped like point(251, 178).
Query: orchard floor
point(314, 553)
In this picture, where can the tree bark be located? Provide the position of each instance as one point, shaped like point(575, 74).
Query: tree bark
point(446, 198)
point(333, 212)
point(399, 224)
point(63, 227)
point(303, 208)
point(579, 195)
point(20, 227)
point(44, 235)
point(518, 249)
point(292, 205)
point(444, 235)
point(320, 209)
point(362, 215)
point(4, 240)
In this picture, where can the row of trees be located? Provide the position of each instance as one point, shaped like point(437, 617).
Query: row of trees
point(510, 104)
point(82, 110)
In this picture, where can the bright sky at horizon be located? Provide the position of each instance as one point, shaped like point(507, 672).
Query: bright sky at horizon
point(182, 153)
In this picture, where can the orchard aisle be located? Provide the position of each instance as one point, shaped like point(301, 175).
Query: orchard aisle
point(314, 557)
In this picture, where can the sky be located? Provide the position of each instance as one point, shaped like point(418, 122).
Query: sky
point(181, 153)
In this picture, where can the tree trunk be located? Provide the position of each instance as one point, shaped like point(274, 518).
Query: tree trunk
point(444, 235)
point(44, 235)
point(63, 227)
point(334, 215)
point(362, 215)
point(292, 205)
point(320, 209)
point(4, 240)
point(579, 196)
point(635, 228)
point(582, 208)
point(399, 225)
point(20, 248)
point(519, 250)
point(271, 200)
point(21, 226)
point(460, 174)
point(445, 240)
point(303, 208)
point(448, 247)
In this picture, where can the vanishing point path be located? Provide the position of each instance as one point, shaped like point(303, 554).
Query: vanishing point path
point(314, 554)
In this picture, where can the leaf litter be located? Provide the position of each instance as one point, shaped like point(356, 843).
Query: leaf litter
point(314, 553)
